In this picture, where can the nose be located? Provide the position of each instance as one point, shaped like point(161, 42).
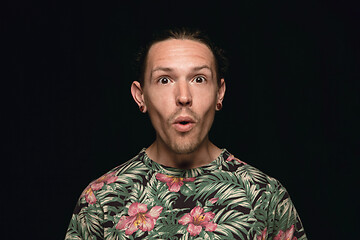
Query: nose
point(183, 96)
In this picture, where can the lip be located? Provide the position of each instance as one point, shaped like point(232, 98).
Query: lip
point(190, 123)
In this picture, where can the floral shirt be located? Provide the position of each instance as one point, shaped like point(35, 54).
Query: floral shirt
point(226, 199)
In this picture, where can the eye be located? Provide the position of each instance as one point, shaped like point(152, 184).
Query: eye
point(199, 79)
point(164, 80)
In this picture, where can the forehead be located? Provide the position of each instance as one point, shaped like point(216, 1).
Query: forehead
point(177, 53)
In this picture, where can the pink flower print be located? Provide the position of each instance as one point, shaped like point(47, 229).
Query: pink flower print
point(288, 235)
point(174, 183)
point(139, 218)
point(197, 219)
point(231, 157)
point(97, 185)
point(263, 235)
point(89, 195)
point(213, 200)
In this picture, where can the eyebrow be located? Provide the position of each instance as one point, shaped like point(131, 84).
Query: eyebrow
point(164, 69)
point(167, 69)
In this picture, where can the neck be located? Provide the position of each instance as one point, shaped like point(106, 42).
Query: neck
point(204, 154)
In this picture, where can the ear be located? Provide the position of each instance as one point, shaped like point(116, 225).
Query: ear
point(138, 95)
point(221, 91)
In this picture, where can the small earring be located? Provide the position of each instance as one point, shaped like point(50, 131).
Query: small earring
point(219, 106)
point(141, 108)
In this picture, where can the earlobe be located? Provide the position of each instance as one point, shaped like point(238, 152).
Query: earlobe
point(138, 96)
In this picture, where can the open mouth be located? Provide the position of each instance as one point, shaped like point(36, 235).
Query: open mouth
point(183, 124)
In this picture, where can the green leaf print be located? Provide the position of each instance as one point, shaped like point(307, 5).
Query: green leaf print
point(137, 194)
point(227, 199)
point(158, 193)
point(232, 223)
point(131, 172)
point(167, 231)
point(249, 173)
point(90, 221)
point(188, 189)
point(225, 186)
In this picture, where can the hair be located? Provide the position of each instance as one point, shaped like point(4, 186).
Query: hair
point(221, 61)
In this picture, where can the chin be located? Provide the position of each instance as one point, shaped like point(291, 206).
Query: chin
point(185, 147)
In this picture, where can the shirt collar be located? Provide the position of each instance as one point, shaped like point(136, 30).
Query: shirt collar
point(184, 173)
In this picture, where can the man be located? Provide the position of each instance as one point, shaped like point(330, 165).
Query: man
point(183, 186)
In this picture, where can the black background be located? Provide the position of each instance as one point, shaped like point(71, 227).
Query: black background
point(290, 107)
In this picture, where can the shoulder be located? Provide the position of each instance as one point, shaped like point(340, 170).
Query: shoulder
point(250, 175)
point(117, 178)
point(271, 199)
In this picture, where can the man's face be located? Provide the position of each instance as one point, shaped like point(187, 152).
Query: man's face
point(180, 93)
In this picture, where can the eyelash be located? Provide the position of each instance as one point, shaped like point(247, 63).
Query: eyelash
point(161, 78)
point(200, 76)
point(194, 79)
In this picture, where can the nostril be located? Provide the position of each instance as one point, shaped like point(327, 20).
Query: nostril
point(184, 100)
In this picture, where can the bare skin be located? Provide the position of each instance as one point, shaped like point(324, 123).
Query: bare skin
point(180, 93)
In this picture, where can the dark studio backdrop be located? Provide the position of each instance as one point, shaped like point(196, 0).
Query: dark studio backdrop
point(290, 108)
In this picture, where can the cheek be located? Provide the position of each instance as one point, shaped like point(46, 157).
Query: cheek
point(209, 116)
point(206, 110)
point(158, 106)
point(206, 102)
point(156, 97)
